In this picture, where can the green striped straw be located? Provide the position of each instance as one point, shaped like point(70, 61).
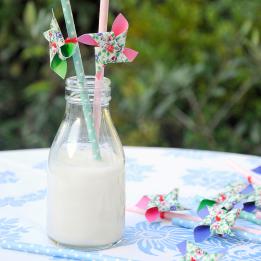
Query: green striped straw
point(77, 60)
point(250, 217)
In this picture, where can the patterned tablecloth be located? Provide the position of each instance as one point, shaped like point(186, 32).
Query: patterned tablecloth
point(148, 171)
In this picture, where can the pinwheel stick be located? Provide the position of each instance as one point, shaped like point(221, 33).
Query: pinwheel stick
point(77, 60)
point(103, 24)
point(248, 174)
point(104, 12)
point(167, 215)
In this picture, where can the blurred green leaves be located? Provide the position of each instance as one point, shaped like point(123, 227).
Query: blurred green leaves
point(30, 14)
point(196, 82)
point(37, 88)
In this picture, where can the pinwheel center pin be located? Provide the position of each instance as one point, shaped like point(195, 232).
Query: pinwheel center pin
point(71, 40)
point(223, 197)
point(110, 48)
point(218, 218)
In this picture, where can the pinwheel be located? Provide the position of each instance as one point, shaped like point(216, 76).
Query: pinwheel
point(110, 45)
point(233, 194)
point(110, 48)
point(221, 213)
point(191, 252)
point(60, 50)
point(216, 220)
point(156, 205)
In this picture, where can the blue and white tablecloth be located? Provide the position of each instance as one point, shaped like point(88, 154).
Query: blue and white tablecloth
point(148, 171)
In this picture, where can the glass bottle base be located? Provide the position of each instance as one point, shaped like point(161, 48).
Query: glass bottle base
point(86, 248)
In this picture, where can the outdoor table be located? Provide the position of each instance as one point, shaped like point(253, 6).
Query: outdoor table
point(148, 171)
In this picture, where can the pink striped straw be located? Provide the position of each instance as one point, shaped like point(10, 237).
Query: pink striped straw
point(167, 215)
point(103, 23)
point(246, 173)
point(104, 12)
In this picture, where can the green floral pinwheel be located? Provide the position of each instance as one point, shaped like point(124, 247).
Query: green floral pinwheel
point(234, 194)
point(60, 50)
point(216, 220)
point(191, 252)
point(219, 215)
point(223, 220)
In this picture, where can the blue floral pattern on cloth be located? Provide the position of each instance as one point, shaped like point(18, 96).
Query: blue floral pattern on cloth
point(8, 177)
point(20, 201)
point(191, 154)
point(41, 165)
point(212, 178)
point(156, 236)
point(10, 229)
point(152, 238)
point(244, 252)
point(136, 171)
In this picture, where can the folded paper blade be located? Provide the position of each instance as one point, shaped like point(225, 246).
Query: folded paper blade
point(120, 25)
point(59, 66)
point(88, 40)
point(143, 203)
point(257, 170)
point(59, 50)
point(201, 233)
point(152, 214)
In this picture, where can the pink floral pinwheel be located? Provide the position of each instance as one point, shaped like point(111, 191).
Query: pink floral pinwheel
point(110, 45)
point(157, 205)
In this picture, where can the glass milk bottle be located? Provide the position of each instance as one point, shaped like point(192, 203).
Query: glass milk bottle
point(86, 197)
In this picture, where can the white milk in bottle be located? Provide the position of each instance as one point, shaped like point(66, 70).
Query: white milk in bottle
point(86, 196)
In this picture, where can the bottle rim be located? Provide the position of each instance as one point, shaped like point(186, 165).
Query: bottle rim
point(72, 83)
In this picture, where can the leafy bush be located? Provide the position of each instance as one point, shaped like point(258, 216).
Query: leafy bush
point(196, 82)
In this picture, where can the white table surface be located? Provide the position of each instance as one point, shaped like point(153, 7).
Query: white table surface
point(148, 171)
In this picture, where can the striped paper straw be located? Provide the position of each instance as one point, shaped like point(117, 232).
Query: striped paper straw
point(57, 252)
point(250, 217)
point(245, 173)
point(77, 60)
point(103, 23)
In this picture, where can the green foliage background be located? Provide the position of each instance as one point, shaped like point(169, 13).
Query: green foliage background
point(195, 84)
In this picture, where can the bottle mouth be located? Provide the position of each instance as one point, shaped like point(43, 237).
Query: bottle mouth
point(72, 83)
point(75, 91)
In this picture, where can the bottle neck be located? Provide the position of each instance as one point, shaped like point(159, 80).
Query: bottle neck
point(75, 110)
point(79, 94)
